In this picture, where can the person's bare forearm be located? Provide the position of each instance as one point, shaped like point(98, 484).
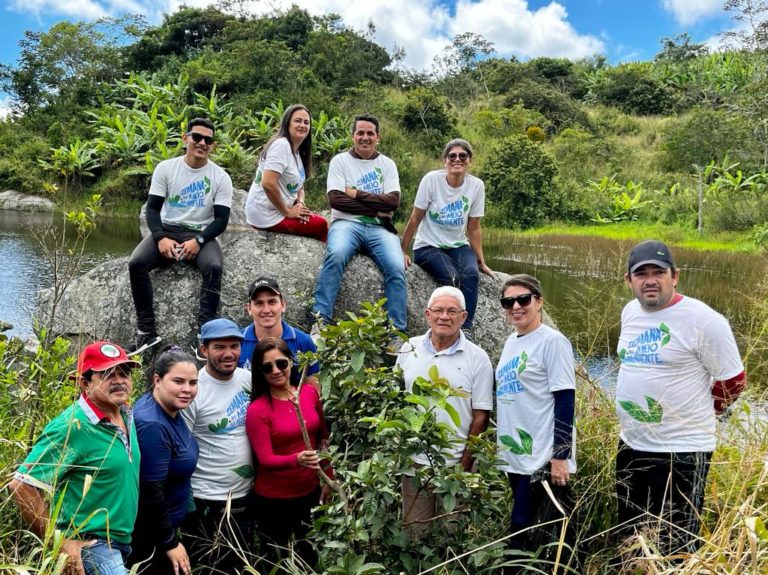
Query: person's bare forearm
point(34, 509)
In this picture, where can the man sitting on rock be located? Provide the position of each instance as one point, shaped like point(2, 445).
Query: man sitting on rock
point(363, 190)
point(188, 207)
point(266, 306)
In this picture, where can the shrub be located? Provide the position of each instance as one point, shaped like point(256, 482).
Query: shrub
point(427, 114)
point(520, 181)
point(558, 108)
point(507, 121)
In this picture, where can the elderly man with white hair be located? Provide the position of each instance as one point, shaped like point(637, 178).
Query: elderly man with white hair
point(467, 367)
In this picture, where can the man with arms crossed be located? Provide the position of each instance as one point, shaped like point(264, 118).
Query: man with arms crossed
point(221, 483)
point(363, 190)
point(91, 443)
point(679, 367)
point(466, 366)
point(187, 208)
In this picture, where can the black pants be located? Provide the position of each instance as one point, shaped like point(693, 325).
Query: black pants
point(219, 542)
point(141, 551)
point(280, 520)
point(662, 491)
point(146, 257)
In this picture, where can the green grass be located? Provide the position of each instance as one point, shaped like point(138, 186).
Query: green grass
point(673, 235)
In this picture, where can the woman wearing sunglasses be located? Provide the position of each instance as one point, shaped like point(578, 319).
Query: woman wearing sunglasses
point(535, 391)
point(169, 455)
point(449, 242)
point(275, 201)
point(287, 486)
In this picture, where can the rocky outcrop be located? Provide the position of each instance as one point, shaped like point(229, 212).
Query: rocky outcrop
point(237, 221)
point(10, 200)
point(99, 303)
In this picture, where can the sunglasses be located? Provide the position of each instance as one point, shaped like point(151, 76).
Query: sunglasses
point(523, 300)
point(460, 155)
point(282, 364)
point(200, 138)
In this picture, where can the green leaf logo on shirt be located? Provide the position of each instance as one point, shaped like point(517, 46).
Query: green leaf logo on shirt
point(622, 353)
point(434, 216)
point(207, 184)
point(379, 175)
point(653, 415)
point(665, 330)
point(218, 427)
point(244, 471)
point(523, 360)
point(525, 447)
point(465, 202)
point(258, 177)
point(292, 187)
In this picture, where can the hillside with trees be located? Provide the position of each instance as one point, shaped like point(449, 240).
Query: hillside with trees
point(97, 105)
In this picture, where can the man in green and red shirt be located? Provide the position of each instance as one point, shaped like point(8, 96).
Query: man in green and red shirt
point(88, 458)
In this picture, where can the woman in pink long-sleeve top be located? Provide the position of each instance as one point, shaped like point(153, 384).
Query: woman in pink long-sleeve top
point(287, 486)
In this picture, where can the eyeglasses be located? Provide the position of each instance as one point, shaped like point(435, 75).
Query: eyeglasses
point(460, 155)
point(524, 300)
point(200, 138)
point(282, 364)
point(451, 311)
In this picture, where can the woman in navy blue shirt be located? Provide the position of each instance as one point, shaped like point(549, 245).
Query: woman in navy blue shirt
point(168, 457)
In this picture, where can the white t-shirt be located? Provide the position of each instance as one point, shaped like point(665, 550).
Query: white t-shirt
point(376, 176)
point(259, 210)
point(531, 367)
point(466, 366)
point(190, 193)
point(669, 360)
point(217, 420)
point(448, 210)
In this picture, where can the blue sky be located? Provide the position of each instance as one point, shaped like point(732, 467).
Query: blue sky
point(622, 30)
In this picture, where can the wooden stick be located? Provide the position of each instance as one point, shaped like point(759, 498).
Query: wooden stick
point(335, 485)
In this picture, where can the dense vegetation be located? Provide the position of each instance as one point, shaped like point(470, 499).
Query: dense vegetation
point(99, 104)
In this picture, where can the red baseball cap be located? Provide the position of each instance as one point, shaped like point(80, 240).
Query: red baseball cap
point(101, 356)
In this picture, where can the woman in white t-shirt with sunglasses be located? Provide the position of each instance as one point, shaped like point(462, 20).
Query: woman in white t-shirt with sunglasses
point(276, 199)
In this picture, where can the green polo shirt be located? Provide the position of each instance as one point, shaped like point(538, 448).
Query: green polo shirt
point(78, 444)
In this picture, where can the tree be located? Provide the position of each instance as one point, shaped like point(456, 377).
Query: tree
point(461, 58)
point(680, 48)
point(753, 15)
point(65, 65)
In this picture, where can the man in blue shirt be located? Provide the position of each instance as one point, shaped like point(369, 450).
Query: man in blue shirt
point(266, 306)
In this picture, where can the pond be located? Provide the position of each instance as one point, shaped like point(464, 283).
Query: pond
point(581, 276)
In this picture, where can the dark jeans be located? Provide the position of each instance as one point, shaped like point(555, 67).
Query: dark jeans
point(280, 520)
point(455, 267)
point(146, 257)
point(664, 491)
point(153, 559)
point(216, 541)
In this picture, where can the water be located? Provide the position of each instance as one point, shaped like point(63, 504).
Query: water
point(25, 269)
point(582, 280)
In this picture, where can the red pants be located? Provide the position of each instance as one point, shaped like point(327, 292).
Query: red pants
point(316, 227)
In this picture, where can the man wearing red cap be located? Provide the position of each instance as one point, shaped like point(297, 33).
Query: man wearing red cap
point(679, 367)
point(88, 458)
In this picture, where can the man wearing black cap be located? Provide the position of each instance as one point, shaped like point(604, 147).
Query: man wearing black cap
point(266, 306)
point(679, 367)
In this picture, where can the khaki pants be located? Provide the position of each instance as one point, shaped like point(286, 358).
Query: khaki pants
point(421, 507)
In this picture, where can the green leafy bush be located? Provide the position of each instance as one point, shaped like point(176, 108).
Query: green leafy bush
point(520, 184)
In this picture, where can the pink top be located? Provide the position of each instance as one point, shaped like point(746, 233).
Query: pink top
point(275, 437)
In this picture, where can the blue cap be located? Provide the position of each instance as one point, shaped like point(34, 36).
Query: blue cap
point(220, 328)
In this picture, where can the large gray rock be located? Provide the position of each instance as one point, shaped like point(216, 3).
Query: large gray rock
point(237, 221)
point(10, 200)
point(99, 303)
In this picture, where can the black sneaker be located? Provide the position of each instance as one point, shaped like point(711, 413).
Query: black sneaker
point(143, 342)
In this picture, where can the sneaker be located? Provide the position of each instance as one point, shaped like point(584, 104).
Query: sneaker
point(196, 352)
point(314, 333)
point(144, 340)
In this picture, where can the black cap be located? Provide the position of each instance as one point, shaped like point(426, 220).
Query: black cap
point(650, 252)
point(263, 283)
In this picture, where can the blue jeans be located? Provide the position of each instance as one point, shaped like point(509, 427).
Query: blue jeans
point(105, 558)
point(347, 238)
point(455, 267)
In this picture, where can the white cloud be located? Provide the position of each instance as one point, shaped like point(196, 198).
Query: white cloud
point(80, 9)
point(688, 12)
point(5, 107)
point(422, 28)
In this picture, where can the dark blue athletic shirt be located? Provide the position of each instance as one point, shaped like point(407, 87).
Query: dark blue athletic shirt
point(168, 453)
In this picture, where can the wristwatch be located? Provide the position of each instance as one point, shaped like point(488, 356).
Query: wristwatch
point(199, 239)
